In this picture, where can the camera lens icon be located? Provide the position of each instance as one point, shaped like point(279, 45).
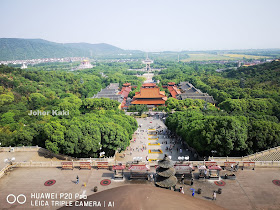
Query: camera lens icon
point(11, 199)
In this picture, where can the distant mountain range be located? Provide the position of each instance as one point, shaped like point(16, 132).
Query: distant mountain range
point(23, 49)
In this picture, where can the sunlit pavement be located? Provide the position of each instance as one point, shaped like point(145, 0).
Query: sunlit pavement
point(141, 138)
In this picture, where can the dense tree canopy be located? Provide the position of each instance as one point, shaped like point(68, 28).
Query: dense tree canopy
point(250, 108)
point(93, 125)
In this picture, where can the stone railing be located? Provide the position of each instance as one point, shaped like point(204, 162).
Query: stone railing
point(20, 149)
point(58, 164)
point(111, 162)
point(6, 168)
point(224, 159)
point(47, 153)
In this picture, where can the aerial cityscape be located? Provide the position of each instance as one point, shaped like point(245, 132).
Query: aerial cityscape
point(140, 105)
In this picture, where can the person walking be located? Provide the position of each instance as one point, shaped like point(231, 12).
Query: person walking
point(151, 177)
point(193, 192)
point(77, 182)
point(236, 167)
point(191, 181)
point(182, 179)
point(214, 195)
point(182, 190)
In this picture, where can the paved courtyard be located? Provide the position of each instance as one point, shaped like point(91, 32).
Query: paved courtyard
point(141, 139)
point(253, 189)
point(31, 180)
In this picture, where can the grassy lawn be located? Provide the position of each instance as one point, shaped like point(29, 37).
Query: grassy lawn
point(246, 56)
point(205, 57)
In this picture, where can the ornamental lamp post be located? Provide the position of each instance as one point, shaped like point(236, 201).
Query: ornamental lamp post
point(10, 160)
point(213, 151)
point(101, 154)
point(181, 159)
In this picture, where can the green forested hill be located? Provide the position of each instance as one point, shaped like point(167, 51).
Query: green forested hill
point(91, 123)
point(246, 119)
point(96, 48)
point(266, 76)
point(22, 49)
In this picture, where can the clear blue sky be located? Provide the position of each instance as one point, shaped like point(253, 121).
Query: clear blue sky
point(149, 25)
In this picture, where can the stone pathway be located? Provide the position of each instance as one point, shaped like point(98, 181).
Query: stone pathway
point(141, 140)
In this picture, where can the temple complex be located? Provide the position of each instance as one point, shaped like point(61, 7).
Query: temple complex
point(111, 92)
point(85, 64)
point(174, 91)
point(189, 91)
point(126, 88)
point(150, 95)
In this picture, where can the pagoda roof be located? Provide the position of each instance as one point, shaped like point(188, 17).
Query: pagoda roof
point(150, 93)
point(126, 84)
point(166, 183)
point(165, 162)
point(174, 91)
point(166, 172)
point(149, 85)
point(125, 91)
point(148, 101)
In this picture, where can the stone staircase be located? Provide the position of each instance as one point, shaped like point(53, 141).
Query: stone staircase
point(272, 156)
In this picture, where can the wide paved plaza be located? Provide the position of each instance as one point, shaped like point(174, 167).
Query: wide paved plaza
point(139, 146)
point(253, 189)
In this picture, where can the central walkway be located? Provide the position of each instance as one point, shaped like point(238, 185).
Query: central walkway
point(139, 145)
point(152, 136)
point(149, 77)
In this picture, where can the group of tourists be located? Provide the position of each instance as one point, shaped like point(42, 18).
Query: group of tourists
point(234, 168)
point(181, 190)
point(138, 148)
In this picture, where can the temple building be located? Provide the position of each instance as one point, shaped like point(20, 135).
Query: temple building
point(24, 66)
point(126, 88)
point(85, 64)
point(174, 91)
point(148, 63)
point(150, 95)
point(189, 91)
point(149, 85)
point(111, 92)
